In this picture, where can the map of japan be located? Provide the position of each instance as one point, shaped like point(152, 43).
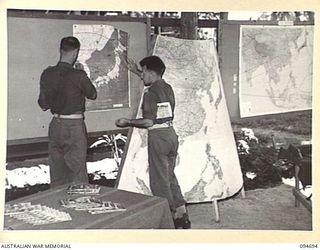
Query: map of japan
point(103, 49)
point(275, 69)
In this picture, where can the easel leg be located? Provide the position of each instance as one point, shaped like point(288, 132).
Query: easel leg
point(297, 184)
point(216, 210)
point(216, 207)
point(243, 194)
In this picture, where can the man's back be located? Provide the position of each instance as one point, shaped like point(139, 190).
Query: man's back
point(63, 89)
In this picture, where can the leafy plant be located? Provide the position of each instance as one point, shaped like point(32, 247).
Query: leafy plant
point(111, 141)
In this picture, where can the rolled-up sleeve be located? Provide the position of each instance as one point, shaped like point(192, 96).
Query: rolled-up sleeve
point(149, 107)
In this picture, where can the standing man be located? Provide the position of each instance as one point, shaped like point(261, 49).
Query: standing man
point(158, 113)
point(63, 89)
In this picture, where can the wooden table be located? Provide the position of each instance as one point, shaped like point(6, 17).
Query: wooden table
point(142, 211)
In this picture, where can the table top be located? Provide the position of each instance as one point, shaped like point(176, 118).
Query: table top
point(142, 211)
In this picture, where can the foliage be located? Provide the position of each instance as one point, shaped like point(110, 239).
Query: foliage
point(294, 122)
point(257, 164)
point(263, 159)
point(288, 16)
point(112, 143)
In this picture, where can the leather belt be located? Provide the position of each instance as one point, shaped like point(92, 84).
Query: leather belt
point(162, 125)
point(72, 116)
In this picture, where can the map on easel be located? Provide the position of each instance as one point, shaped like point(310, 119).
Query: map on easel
point(207, 166)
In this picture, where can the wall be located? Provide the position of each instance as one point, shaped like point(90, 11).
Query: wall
point(228, 47)
point(33, 45)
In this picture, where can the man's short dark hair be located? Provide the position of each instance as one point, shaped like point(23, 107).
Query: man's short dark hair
point(69, 43)
point(153, 63)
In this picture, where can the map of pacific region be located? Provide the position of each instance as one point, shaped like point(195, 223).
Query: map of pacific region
point(275, 69)
point(103, 49)
point(207, 164)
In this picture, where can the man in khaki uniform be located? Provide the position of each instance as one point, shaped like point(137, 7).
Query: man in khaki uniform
point(158, 113)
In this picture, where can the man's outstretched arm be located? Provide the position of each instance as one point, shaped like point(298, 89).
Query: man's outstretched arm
point(138, 123)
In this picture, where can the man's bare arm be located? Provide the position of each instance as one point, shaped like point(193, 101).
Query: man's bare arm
point(138, 123)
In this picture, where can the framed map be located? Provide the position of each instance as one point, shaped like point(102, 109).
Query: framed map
point(275, 72)
point(102, 52)
point(207, 166)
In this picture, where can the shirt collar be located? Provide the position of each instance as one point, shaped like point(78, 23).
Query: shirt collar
point(152, 86)
point(64, 64)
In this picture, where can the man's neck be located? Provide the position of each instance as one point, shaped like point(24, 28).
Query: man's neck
point(156, 80)
point(64, 60)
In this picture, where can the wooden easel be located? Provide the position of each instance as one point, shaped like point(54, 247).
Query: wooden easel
point(299, 197)
point(216, 207)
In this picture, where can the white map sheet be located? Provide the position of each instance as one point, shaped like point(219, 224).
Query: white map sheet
point(207, 165)
point(275, 70)
point(102, 52)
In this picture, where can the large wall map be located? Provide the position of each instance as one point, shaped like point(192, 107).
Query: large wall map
point(102, 52)
point(275, 69)
point(207, 165)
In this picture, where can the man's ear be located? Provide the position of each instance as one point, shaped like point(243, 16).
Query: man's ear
point(75, 53)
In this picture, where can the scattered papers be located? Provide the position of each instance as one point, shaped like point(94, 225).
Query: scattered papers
point(92, 205)
point(36, 214)
point(17, 208)
point(84, 189)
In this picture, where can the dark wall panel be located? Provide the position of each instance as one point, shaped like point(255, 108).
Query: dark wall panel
point(33, 45)
point(229, 65)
